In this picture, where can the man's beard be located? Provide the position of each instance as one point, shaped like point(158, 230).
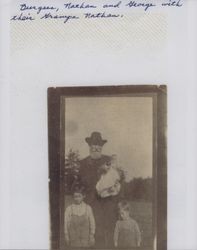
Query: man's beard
point(95, 155)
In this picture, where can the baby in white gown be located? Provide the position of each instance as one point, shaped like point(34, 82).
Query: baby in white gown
point(109, 183)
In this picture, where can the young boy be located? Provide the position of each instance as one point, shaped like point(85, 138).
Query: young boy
point(79, 221)
point(127, 233)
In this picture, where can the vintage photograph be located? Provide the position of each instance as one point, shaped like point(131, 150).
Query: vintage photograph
point(107, 165)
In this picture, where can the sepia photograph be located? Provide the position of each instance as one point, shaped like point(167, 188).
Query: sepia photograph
point(108, 167)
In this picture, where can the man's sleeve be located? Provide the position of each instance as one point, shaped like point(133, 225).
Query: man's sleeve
point(81, 172)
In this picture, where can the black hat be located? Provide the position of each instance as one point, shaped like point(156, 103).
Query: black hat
point(95, 139)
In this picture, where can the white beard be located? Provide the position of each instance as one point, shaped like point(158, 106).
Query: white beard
point(95, 155)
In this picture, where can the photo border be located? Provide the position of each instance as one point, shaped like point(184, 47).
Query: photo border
point(56, 140)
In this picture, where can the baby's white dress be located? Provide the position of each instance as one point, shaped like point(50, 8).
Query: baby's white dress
point(109, 183)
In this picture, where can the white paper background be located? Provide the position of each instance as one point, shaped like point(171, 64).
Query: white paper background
point(100, 54)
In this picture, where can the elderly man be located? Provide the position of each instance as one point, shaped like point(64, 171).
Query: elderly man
point(105, 209)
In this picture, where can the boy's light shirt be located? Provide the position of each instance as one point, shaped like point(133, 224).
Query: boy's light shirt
point(129, 223)
point(79, 210)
